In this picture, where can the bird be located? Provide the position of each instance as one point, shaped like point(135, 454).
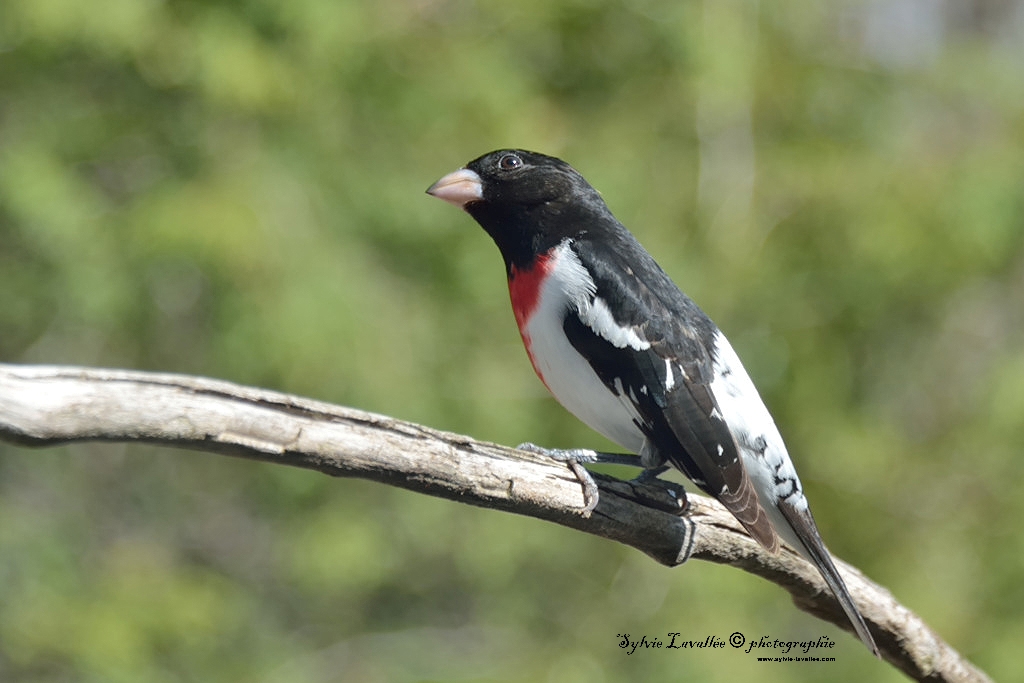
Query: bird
point(622, 348)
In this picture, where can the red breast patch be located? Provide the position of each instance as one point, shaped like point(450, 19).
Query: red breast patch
point(524, 286)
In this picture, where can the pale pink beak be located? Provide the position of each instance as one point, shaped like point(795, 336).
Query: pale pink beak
point(459, 188)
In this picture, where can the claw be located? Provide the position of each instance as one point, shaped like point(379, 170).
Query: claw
point(590, 495)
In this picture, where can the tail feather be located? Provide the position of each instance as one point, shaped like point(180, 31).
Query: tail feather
point(743, 503)
point(813, 548)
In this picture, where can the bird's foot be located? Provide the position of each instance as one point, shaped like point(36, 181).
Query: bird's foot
point(649, 477)
point(573, 457)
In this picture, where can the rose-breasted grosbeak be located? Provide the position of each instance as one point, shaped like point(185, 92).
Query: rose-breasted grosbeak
point(625, 351)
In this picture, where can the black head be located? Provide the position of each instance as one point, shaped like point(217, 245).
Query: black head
point(527, 202)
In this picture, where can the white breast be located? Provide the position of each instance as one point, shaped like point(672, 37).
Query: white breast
point(567, 374)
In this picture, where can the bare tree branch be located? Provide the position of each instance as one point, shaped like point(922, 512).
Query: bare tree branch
point(46, 405)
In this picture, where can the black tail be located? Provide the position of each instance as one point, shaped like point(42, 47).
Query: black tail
point(814, 549)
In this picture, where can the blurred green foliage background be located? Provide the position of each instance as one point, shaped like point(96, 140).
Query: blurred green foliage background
point(235, 188)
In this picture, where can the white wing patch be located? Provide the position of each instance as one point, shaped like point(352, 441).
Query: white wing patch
point(581, 290)
point(598, 317)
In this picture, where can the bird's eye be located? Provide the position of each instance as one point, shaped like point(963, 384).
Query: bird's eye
point(509, 162)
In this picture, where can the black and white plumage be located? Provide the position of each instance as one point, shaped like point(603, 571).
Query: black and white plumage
point(623, 349)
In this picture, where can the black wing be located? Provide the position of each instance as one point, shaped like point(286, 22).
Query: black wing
point(681, 417)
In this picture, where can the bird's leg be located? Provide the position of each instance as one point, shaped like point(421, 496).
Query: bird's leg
point(573, 457)
point(650, 474)
point(581, 455)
